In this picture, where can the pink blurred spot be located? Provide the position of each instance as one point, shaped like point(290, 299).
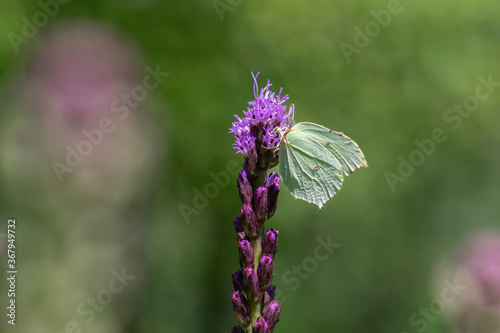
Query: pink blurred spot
point(483, 260)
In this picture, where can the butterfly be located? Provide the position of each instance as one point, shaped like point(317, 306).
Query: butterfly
point(314, 160)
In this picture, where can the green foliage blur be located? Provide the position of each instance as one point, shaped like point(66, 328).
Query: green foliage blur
point(394, 233)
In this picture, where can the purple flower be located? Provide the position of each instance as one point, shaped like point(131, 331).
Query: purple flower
point(257, 139)
point(255, 134)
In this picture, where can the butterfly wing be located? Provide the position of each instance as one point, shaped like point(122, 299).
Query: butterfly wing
point(315, 160)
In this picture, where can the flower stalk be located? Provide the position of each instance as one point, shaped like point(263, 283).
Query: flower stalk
point(258, 141)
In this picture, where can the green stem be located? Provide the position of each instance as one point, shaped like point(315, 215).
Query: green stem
point(257, 251)
point(261, 180)
point(255, 306)
point(255, 312)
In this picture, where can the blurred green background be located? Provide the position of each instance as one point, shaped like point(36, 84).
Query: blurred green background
point(392, 92)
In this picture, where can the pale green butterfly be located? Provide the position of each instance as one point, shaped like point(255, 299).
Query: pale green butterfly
point(314, 161)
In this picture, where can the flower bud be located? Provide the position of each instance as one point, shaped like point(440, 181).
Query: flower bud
point(246, 253)
point(241, 307)
point(251, 160)
point(268, 297)
point(269, 242)
point(249, 221)
point(272, 314)
point(261, 203)
point(252, 283)
point(261, 326)
point(238, 225)
point(237, 329)
point(265, 271)
point(244, 188)
point(273, 186)
point(238, 280)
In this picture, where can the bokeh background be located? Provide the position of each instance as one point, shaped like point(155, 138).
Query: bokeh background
point(120, 207)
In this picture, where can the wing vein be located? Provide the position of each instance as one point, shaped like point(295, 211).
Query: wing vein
point(333, 146)
point(313, 180)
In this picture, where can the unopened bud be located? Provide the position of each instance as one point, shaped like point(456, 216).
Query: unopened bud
point(261, 326)
point(265, 271)
point(244, 188)
point(246, 253)
point(261, 203)
point(249, 221)
point(268, 296)
point(241, 307)
point(272, 314)
point(273, 186)
point(252, 283)
point(269, 242)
